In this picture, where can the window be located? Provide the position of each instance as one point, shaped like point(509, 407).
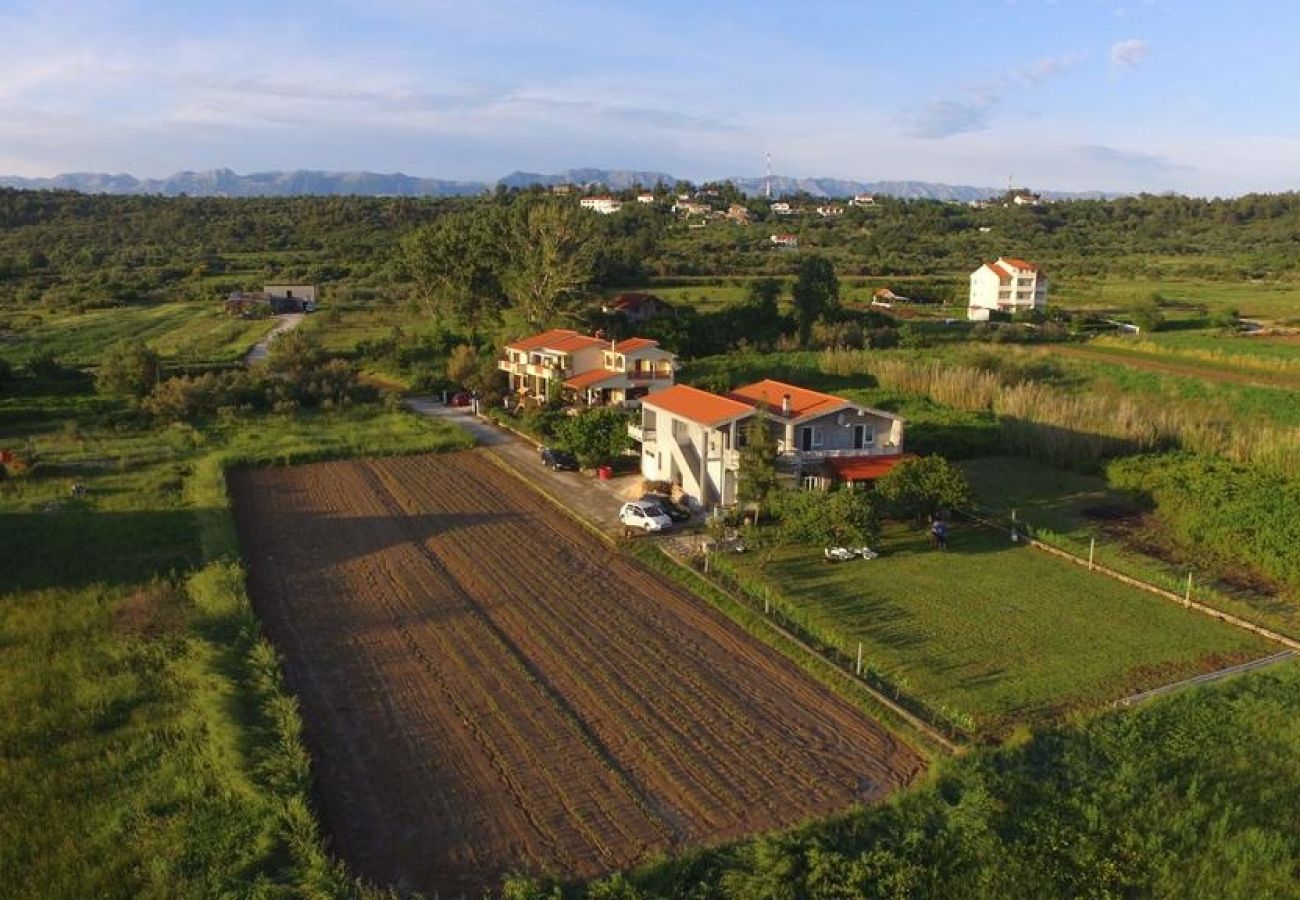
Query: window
point(863, 437)
point(810, 437)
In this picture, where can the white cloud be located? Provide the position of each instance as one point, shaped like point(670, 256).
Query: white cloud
point(1128, 53)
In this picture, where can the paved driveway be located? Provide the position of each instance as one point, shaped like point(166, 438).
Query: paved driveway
point(595, 500)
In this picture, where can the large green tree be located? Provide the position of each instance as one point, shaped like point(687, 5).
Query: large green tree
point(816, 293)
point(457, 262)
point(551, 256)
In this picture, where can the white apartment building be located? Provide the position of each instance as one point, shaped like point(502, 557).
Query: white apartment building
point(603, 204)
point(588, 369)
point(1008, 285)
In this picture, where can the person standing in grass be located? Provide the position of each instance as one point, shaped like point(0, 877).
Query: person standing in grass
point(939, 533)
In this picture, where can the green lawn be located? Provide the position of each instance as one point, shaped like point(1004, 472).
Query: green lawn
point(147, 745)
point(180, 332)
point(991, 633)
point(1054, 503)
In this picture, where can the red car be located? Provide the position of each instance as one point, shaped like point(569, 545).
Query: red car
point(460, 399)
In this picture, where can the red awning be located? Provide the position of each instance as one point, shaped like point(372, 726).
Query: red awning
point(864, 468)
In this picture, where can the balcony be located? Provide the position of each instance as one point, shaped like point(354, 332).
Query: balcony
point(822, 453)
point(648, 375)
point(546, 371)
point(642, 435)
point(731, 459)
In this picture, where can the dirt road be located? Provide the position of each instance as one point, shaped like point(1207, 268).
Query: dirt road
point(488, 689)
point(1190, 369)
point(259, 351)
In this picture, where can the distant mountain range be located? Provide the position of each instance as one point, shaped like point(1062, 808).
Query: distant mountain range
point(225, 183)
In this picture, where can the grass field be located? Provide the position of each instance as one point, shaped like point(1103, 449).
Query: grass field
point(991, 634)
point(1069, 510)
point(1276, 300)
point(147, 745)
point(180, 332)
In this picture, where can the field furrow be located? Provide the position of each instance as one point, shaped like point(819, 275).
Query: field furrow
point(488, 689)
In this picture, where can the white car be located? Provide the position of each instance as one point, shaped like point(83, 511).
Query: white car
point(644, 515)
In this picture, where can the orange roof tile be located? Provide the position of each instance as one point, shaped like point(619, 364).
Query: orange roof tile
point(558, 340)
point(695, 405)
point(803, 402)
point(1003, 274)
point(1020, 263)
point(591, 378)
point(865, 468)
point(633, 344)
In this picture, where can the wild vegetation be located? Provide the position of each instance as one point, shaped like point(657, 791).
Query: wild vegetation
point(149, 745)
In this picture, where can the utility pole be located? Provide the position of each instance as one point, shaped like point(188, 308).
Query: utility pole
point(767, 189)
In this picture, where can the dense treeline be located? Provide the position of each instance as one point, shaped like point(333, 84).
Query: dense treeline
point(1165, 802)
point(76, 249)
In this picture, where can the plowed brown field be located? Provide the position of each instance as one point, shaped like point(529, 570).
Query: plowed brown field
point(487, 688)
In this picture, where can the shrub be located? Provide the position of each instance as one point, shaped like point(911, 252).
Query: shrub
point(596, 437)
point(129, 371)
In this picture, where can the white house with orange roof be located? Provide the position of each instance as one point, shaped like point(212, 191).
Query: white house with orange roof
point(690, 438)
point(693, 438)
point(1009, 285)
point(591, 369)
point(821, 438)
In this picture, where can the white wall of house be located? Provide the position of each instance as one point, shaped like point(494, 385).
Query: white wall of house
point(703, 460)
point(1025, 289)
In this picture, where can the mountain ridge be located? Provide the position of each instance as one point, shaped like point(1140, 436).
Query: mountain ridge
point(225, 182)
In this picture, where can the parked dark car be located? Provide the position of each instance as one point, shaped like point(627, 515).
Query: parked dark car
point(559, 460)
point(674, 511)
point(461, 399)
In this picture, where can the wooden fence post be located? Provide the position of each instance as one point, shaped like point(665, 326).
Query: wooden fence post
point(1092, 549)
point(1187, 598)
point(859, 669)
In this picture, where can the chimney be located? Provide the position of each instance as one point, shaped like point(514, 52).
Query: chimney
point(785, 404)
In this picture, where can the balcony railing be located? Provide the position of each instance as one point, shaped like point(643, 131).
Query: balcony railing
point(823, 453)
point(646, 375)
point(637, 433)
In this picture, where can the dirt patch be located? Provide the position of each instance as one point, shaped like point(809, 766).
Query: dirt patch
point(1142, 532)
point(153, 611)
point(487, 688)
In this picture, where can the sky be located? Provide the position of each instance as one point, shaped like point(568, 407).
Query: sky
point(1134, 95)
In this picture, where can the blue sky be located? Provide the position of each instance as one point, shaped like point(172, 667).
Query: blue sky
point(1152, 95)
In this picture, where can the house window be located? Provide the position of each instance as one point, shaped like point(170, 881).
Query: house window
point(863, 437)
point(810, 437)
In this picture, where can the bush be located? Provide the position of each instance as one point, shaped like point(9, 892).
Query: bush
point(923, 486)
point(596, 437)
point(129, 371)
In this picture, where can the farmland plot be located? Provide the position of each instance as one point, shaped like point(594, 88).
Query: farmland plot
point(489, 689)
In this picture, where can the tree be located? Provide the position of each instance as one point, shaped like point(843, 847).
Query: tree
point(843, 517)
point(551, 258)
point(757, 479)
point(1146, 314)
point(456, 262)
point(463, 366)
point(816, 293)
point(760, 314)
point(923, 486)
point(129, 370)
point(596, 437)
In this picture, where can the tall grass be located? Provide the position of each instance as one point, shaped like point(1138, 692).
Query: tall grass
point(1078, 430)
point(1270, 364)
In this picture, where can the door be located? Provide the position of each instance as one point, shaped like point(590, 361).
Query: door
point(806, 438)
point(859, 437)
